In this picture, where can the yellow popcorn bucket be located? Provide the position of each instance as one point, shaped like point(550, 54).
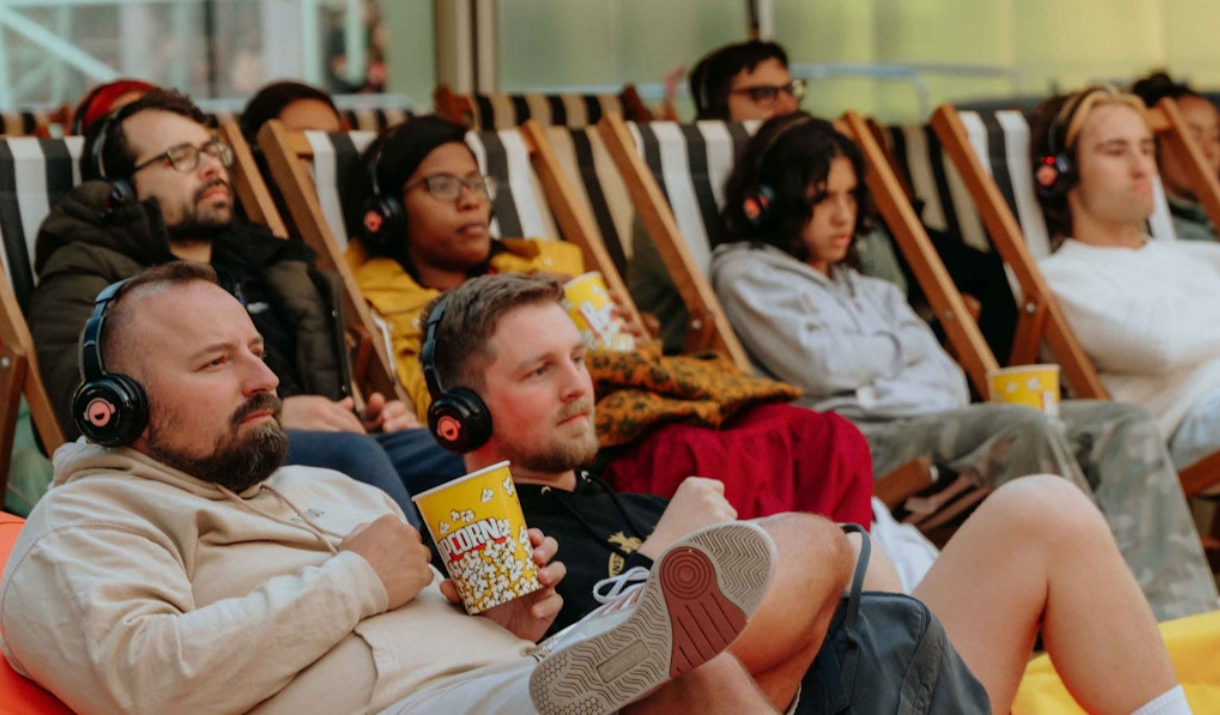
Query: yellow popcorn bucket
point(478, 527)
point(1036, 386)
point(588, 301)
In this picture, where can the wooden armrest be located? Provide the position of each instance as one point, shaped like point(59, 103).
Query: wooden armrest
point(361, 351)
point(1201, 475)
point(906, 480)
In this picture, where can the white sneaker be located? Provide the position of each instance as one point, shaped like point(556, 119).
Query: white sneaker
point(695, 601)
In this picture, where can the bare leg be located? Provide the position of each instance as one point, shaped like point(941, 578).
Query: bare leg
point(720, 685)
point(881, 574)
point(1036, 554)
point(786, 631)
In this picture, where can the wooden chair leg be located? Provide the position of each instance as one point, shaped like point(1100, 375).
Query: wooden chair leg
point(905, 481)
point(13, 364)
point(1211, 542)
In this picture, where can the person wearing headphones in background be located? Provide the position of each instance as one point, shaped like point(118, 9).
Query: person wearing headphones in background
point(158, 189)
point(1146, 312)
point(424, 228)
point(794, 205)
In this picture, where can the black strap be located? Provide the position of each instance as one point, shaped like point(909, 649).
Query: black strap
point(857, 581)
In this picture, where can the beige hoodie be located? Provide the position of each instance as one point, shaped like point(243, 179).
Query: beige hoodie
point(135, 588)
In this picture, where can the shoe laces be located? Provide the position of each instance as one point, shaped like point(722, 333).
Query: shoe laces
point(619, 591)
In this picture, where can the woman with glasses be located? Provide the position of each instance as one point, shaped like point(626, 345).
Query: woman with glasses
point(421, 227)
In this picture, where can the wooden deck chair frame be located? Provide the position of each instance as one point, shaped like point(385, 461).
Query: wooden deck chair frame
point(252, 191)
point(462, 108)
point(287, 154)
point(1041, 318)
point(19, 376)
point(709, 327)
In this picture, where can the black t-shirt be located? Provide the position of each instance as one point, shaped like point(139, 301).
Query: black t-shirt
point(269, 317)
point(599, 533)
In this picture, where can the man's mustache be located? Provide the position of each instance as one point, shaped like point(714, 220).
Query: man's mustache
point(209, 185)
point(260, 402)
point(580, 407)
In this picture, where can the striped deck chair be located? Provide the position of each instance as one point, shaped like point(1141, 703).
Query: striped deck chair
point(34, 175)
point(504, 111)
point(597, 188)
point(992, 153)
point(935, 183)
point(675, 174)
point(375, 119)
point(42, 123)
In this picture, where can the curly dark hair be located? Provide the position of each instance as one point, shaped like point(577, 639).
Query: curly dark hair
point(789, 154)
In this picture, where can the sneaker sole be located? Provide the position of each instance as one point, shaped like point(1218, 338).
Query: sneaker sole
point(697, 600)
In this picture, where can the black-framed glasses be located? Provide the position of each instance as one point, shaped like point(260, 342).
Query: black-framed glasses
point(766, 94)
point(447, 187)
point(185, 157)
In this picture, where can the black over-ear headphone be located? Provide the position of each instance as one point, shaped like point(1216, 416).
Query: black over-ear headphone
point(122, 191)
point(110, 409)
point(383, 218)
point(457, 418)
point(1054, 170)
point(759, 204)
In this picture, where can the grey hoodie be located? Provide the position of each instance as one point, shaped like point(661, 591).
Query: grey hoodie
point(850, 342)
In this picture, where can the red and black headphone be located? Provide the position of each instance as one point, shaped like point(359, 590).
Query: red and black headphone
point(109, 408)
point(760, 202)
point(458, 418)
point(1054, 170)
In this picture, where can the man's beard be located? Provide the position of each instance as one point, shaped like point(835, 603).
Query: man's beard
point(561, 453)
point(198, 224)
point(236, 462)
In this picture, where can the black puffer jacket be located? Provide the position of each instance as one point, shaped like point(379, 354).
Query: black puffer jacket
point(80, 250)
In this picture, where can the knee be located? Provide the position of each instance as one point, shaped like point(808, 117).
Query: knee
point(1044, 506)
point(816, 546)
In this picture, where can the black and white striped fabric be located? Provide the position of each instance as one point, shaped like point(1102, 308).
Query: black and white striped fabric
point(585, 161)
point(31, 122)
point(520, 209)
point(505, 111)
point(34, 175)
point(691, 163)
point(936, 182)
point(1001, 142)
point(370, 119)
point(375, 119)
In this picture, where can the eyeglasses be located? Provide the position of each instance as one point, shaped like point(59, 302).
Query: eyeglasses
point(447, 187)
point(766, 94)
point(185, 157)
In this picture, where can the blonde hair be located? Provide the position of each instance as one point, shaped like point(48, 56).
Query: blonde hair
point(1080, 104)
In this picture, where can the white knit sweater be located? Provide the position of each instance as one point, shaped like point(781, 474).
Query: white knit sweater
point(1148, 317)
